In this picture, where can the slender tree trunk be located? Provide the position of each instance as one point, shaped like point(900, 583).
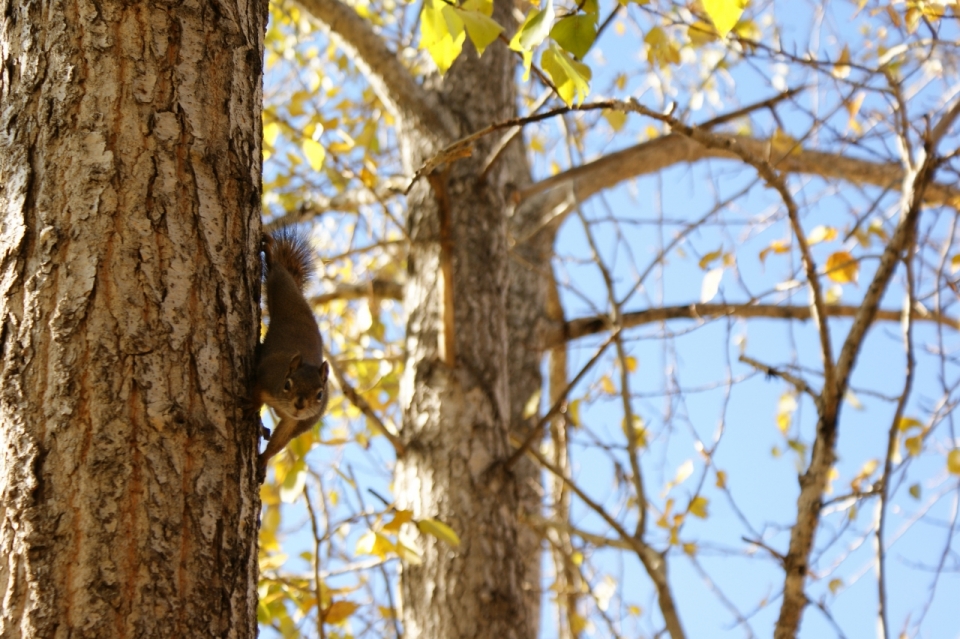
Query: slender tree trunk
point(459, 402)
point(129, 195)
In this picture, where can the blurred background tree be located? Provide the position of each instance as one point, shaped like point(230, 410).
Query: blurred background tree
point(644, 318)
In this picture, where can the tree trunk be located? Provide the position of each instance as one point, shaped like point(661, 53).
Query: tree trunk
point(129, 285)
point(457, 395)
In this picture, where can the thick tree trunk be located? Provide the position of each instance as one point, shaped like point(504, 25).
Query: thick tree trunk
point(129, 195)
point(458, 397)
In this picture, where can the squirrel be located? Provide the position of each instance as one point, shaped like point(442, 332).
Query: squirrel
point(291, 374)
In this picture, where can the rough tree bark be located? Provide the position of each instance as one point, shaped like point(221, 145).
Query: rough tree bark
point(129, 195)
point(459, 395)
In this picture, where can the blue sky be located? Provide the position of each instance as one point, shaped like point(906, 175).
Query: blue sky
point(631, 223)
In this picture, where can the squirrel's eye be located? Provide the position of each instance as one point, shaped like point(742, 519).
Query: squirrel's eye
point(319, 394)
point(287, 385)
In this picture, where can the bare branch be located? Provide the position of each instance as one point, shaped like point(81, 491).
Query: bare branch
point(651, 559)
point(348, 201)
point(586, 326)
point(558, 405)
point(357, 400)
point(799, 383)
point(584, 181)
point(374, 289)
point(390, 80)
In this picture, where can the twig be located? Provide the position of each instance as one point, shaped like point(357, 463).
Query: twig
point(525, 445)
point(357, 400)
point(799, 383)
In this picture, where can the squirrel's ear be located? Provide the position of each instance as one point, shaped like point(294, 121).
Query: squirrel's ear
point(294, 362)
point(324, 371)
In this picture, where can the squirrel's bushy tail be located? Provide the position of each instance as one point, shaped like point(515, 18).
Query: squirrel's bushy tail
point(291, 250)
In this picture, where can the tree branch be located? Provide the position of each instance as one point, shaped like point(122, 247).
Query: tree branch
point(390, 432)
point(587, 180)
point(374, 289)
point(585, 326)
point(389, 78)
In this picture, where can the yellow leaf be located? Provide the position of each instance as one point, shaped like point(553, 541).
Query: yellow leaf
point(723, 13)
point(853, 108)
point(631, 363)
point(835, 585)
point(573, 412)
point(339, 611)
point(607, 385)
point(913, 445)
point(953, 461)
point(906, 423)
point(639, 431)
point(373, 543)
point(439, 530)
point(385, 612)
point(915, 491)
point(578, 623)
point(955, 263)
point(441, 33)
point(293, 484)
point(783, 422)
point(535, 28)
point(707, 259)
point(408, 554)
point(662, 51)
point(483, 6)
point(698, 507)
point(482, 30)
point(842, 268)
point(701, 33)
point(683, 473)
point(635, 611)
point(833, 294)
point(314, 152)
point(690, 549)
point(776, 246)
point(571, 78)
point(616, 119)
point(400, 517)
point(271, 132)
point(841, 68)
point(821, 234)
point(783, 144)
point(721, 479)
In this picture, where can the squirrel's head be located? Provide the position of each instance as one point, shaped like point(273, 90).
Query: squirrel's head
point(304, 391)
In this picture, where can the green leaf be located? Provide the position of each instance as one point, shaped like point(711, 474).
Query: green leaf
point(724, 13)
point(439, 530)
point(576, 33)
point(441, 33)
point(915, 491)
point(571, 78)
point(481, 29)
